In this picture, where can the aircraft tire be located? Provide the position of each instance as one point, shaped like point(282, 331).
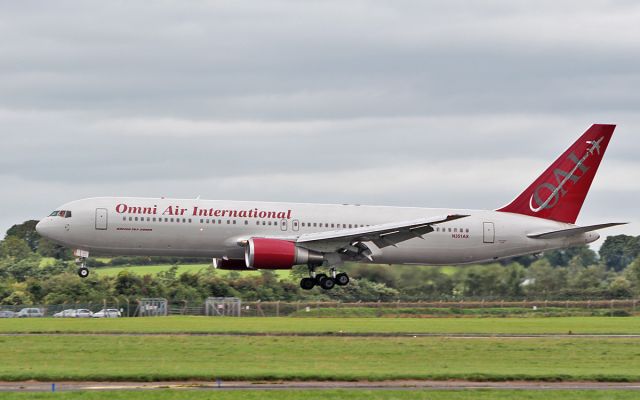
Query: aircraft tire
point(342, 279)
point(307, 283)
point(327, 283)
point(83, 272)
point(320, 278)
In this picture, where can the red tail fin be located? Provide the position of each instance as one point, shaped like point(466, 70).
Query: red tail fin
point(559, 192)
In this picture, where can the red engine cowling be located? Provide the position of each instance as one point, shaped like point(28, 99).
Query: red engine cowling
point(264, 253)
point(233, 265)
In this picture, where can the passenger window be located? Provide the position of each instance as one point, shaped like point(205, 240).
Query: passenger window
point(246, 222)
point(124, 218)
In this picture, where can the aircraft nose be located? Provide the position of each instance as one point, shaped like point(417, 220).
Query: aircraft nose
point(39, 227)
point(43, 228)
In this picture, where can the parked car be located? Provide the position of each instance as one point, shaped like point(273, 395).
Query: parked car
point(70, 313)
point(107, 313)
point(7, 314)
point(73, 313)
point(30, 313)
point(83, 313)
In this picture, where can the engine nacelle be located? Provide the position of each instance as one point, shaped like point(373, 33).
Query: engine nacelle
point(232, 265)
point(261, 253)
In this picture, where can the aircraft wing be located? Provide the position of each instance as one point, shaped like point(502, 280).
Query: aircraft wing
point(367, 241)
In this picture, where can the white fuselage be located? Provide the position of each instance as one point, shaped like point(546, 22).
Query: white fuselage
point(212, 228)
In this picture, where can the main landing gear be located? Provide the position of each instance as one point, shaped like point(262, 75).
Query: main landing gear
point(325, 281)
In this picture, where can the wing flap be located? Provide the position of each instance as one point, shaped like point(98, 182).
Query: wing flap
point(382, 235)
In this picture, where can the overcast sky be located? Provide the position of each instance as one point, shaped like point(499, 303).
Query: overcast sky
point(434, 104)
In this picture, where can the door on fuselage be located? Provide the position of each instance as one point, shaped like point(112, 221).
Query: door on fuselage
point(101, 219)
point(489, 235)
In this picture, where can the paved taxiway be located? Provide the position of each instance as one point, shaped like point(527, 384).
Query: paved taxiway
point(341, 334)
point(31, 386)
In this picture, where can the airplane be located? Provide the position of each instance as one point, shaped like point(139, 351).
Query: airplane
point(247, 235)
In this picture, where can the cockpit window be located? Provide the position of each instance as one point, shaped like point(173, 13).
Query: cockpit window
point(61, 213)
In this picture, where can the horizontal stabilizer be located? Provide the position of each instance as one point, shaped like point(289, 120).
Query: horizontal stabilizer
point(572, 231)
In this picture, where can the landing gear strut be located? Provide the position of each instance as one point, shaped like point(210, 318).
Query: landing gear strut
point(81, 258)
point(325, 281)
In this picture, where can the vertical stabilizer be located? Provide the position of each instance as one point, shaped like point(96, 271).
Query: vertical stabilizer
point(558, 194)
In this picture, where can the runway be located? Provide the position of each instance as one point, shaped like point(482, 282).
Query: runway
point(31, 386)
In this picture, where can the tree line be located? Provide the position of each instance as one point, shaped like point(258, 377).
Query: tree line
point(36, 271)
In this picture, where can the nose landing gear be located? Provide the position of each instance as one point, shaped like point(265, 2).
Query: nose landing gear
point(81, 258)
point(83, 272)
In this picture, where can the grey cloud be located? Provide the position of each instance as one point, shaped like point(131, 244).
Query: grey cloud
point(312, 101)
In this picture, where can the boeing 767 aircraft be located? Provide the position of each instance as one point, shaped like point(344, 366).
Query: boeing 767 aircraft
point(246, 235)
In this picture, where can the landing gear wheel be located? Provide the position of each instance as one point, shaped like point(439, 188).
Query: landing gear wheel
point(320, 278)
point(327, 283)
point(307, 283)
point(83, 272)
point(342, 279)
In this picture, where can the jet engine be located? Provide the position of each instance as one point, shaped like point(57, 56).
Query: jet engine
point(262, 253)
point(232, 265)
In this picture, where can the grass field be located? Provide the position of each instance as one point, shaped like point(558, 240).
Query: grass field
point(188, 324)
point(155, 358)
point(148, 269)
point(191, 268)
point(336, 395)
